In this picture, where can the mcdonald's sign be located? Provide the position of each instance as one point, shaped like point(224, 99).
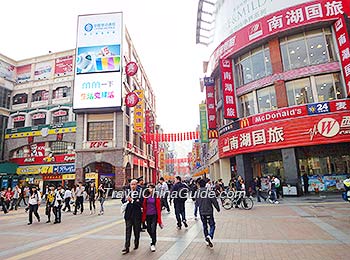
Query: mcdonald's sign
point(244, 122)
point(213, 134)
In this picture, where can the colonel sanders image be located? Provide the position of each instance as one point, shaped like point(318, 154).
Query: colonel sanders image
point(36, 150)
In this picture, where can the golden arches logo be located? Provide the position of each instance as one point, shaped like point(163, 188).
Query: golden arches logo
point(244, 122)
point(213, 134)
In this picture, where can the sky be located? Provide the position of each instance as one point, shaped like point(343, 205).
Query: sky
point(163, 32)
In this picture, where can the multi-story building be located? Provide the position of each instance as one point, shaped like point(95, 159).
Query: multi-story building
point(52, 141)
point(280, 71)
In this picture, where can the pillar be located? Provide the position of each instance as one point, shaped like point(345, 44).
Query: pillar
point(225, 171)
point(120, 179)
point(244, 168)
point(291, 171)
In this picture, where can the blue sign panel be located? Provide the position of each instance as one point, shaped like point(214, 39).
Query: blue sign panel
point(318, 108)
point(67, 168)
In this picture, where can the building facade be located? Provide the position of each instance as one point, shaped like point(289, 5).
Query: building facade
point(281, 76)
point(51, 142)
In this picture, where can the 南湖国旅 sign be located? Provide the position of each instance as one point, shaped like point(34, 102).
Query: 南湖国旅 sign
point(98, 61)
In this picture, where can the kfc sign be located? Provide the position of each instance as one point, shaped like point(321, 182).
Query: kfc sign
point(99, 144)
point(131, 69)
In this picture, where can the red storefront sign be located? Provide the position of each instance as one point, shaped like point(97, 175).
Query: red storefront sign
point(140, 162)
point(131, 99)
point(343, 42)
point(52, 177)
point(39, 116)
point(209, 83)
point(148, 125)
point(286, 19)
point(131, 68)
point(304, 131)
point(19, 118)
point(228, 88)
point(60, 113)
point(62, 158)
point(64, 65)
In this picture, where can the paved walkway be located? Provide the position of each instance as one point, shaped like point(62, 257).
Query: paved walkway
point(294, 229)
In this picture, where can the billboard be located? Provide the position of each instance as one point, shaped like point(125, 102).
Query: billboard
point(24, 73)
point(98, 63)
point(43, 70)
point(7, 71)
point(64, 66)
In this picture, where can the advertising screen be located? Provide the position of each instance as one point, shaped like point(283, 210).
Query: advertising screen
point(98, 61)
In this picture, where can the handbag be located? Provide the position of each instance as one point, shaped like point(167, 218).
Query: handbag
point(123, 207)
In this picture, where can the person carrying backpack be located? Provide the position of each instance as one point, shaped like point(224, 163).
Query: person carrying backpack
point(179, 193)
point(58, 204)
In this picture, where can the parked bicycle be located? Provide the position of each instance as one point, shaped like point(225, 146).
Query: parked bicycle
point(237, 199)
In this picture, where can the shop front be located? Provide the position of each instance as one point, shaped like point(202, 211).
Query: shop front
point(315, 143)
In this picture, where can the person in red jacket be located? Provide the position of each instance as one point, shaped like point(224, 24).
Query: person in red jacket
point(151, 214)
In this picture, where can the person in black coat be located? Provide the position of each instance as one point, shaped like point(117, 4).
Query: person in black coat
point(132, 215)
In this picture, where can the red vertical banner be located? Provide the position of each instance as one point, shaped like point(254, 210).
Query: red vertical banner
point(343, 42)
point(228, 88)
point(209, 84)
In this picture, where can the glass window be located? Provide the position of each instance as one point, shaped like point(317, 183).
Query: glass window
point(18, 124)
point(310, 48)
point(40, 95)
point(266, 99)
point(299, 92)
point(5, 97)
point(38, 119)
point(100, 131)
point(328, 87)
point(60, 147)
point(253, 65)
point(61, 92)
point(247, 104)
point(60, 116)
point(20, 99)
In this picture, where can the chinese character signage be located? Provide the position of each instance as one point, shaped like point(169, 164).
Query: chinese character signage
point(284, 15)
point(64, 66)
point(343, 41)
point(98, 61)
point(209, 84)
point(131, 68)
point(303, 131)
point(203, 123)
point(139, 111)
point(229, 98)
point(131, 99)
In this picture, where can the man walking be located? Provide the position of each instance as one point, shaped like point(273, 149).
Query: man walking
point(206, 199)
point(132, 215)
point(16, 196)
point(164, 189)
point(179, 194)
point(79, 198)
point(58, 204)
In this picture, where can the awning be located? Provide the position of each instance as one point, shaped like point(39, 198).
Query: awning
point(8, 168)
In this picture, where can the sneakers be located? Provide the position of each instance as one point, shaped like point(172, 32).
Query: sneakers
point(208, 240)
point(185, 223)
point(276, 202)
point(153, 248)
point(178, 227)
point(270, 200)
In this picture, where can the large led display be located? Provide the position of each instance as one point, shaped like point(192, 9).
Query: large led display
point(98, 61)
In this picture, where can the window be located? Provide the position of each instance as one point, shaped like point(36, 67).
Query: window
point(20, 98)
point(254, 65)
point(266, 99)
point(299, 92)
point(328, 87)
point(61, 92)
point(59, 147)
point(40, 95)
point(305, 49)
point(60, 116)
point(5, 97)
point(39, 119)
point(247, 104)
point(100, 131)
point(18, 124)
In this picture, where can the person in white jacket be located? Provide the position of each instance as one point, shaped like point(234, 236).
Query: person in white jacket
point(33, 204)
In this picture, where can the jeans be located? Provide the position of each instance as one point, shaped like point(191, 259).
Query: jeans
point(151, 221)
point(4, 206)
point(208, 219)
point(48, 211)
point(66, 204)
point(164, 202)
point(79, 201)
point(273, 195)
point(196, 207)
point(135, 224)
point(180, 212)
point(102, 200)
point(24, 200)
point(14, 203)
point(33, 209)
point(57, 212)
point(92, 204)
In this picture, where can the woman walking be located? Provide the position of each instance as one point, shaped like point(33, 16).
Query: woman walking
point(92, 195)
point(34, 203)
point(152, 214)
point(101, 196)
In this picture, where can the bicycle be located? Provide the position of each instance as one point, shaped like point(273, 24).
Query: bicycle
point(238, 198)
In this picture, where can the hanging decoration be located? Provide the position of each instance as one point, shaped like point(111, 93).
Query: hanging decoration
point(173, 137)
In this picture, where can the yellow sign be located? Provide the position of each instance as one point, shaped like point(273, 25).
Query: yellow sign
point(139, 111)
point(202, 172)
point(39, 133)
point(37, 169)
point(91, 175)
point(68, 176)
